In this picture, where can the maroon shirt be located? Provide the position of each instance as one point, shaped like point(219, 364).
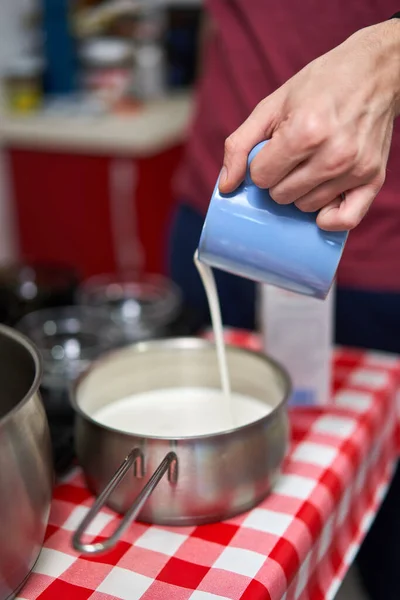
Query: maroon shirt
point(254, 47)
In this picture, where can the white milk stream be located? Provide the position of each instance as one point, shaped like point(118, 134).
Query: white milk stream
point(192, 411)
point(210, 288)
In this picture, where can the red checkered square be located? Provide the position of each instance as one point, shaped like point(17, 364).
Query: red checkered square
point(65, 591)
point(51, 529)
point(183, 573)
point(333, 484)
point(256, 591)
point(312, 518)
point(286, 555)
point(220, 533)
point(68, 492)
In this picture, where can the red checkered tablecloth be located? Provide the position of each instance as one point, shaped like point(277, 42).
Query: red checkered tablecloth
point(297, 544)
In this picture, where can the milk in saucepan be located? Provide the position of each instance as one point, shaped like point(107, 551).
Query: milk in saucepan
point(180, 412)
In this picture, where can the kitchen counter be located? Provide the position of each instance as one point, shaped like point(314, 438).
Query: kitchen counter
point(153, 128)
point(297, 543)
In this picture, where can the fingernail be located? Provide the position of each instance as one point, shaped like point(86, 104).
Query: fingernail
point(223, 176)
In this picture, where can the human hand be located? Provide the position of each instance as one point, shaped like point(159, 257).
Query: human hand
point(330, 129)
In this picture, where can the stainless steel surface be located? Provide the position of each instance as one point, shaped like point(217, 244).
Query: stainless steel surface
point(167, 465)
point(26, 475)
point(218, 475)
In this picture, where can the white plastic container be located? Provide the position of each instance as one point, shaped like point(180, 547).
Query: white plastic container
point(108, 68)
point(297, 331)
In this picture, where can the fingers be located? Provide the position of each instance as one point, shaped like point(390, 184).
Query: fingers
point(333, 162)
point(257, 128)
point(339, 165)
point(284, 160)
point(324, 194)
point(343, 215)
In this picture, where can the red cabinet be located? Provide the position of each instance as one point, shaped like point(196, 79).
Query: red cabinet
point(93, 212)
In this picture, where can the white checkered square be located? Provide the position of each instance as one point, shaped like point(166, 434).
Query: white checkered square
point(238, 560)
point(98, 524)
point(124, 584)
point(295, 486)
point(199, 595)
point(351, 553)
point(162, 541)
point(355, 400)
point(315, 454)
point(341, 427)
point(268, 521)
point(372, 379)
point(53, 562)
point(381, 359)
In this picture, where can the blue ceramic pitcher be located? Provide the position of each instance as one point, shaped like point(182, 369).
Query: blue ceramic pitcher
point(248, 234)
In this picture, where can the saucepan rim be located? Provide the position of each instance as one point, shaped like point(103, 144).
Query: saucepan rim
point(182, 343)
point(37, 359)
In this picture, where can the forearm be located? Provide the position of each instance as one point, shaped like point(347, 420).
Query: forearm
point(384, 40)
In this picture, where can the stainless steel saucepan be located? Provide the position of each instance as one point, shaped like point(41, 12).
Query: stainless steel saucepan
point(186, 480)
point(26, 475)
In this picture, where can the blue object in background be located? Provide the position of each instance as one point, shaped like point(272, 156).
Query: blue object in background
point(182, 46)
point(59, 48)
point(248, 234)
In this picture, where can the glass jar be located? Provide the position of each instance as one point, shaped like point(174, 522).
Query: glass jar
point(142, 307)
point(31, 286)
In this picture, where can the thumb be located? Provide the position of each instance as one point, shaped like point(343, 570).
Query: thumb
point(258, 127)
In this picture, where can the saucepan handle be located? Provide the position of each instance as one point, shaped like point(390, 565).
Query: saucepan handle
point(168, 464)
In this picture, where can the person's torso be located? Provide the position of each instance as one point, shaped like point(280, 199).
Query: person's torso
point(255, 47)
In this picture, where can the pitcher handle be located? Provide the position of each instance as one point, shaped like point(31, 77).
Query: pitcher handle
point(169, 463)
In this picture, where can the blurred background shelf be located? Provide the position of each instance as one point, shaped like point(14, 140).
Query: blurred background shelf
point(153, 128)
